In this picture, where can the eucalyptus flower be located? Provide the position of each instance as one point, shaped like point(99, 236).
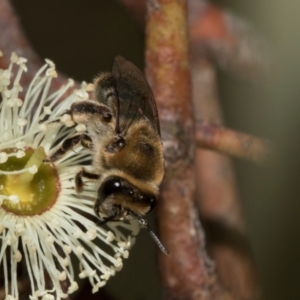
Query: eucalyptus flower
point(45, 226)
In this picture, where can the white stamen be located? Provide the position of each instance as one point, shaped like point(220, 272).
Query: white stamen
point(33, 169)
point(105, 276)
point(55, 222)
point(50, 62)
point(43, 127)
point(78, 234)
point(3, 157)
point(126, 254)
point(64, 262)
point(110, 236)
point(17, 256)
point(50, 240)
point(19, 229)
point(67, 223)
point(79, 251)
point(118, 263)
point(14, 57)
point(21, 60)
point(83, 95)
point(83, 274)
point(20, 145)
point(73, 287)
point(47, 110)
point(20, 154)
point(80, 128)
point(22, 122)
point(23, 67)
point(92, 273)
point(67, 249)
point(32, 248)
point(67, 120)
point(48, 297)
point(91, 234)
point(62, 276)
point(14, 199)
point(51, 72)
point(63, 295)
point(7, 93)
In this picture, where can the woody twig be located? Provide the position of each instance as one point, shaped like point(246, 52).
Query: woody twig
point(231, 142)
point(218, 198)
point(187, 273)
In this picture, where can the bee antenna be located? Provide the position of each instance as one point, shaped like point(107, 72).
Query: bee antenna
point(154, 236)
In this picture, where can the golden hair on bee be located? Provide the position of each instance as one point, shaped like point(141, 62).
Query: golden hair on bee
point(123, 136)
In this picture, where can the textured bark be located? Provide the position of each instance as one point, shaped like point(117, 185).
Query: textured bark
point(219, 38)
point(218, 198)
point(187, 273)
point(234, 143)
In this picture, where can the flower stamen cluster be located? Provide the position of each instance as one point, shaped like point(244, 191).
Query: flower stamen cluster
point(42, 219)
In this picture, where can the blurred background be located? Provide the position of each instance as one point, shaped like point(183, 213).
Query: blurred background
point(82, 38)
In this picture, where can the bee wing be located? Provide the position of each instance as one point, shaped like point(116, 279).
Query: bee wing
point(135, 99)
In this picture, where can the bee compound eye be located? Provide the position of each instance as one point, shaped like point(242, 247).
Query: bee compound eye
point(107, 116)
point(109, 187)
point(120, 143)
point(130, 192)
point(151, 201)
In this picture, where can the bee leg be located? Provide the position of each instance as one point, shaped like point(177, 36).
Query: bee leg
point(70, 143)
point(86, 141)
point(78, 179)
point(84, 111)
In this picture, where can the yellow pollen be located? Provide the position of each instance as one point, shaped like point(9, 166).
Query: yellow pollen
point(35, 160)
point(19, 185)
point(36, 189)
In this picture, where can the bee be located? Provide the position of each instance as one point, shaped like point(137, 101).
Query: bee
point(123, 136)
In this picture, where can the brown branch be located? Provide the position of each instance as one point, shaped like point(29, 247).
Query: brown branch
point(218, 198)
point(238, 144)
point(187, 273)
point(225, 38)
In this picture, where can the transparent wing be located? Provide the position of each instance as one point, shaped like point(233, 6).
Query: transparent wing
point(135, 99)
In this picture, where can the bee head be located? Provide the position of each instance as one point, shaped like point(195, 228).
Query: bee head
point(120, 200)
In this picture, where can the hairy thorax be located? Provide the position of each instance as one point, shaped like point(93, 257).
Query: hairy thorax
point(138, 153)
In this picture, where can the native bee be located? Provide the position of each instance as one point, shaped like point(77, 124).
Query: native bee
point(123, 135)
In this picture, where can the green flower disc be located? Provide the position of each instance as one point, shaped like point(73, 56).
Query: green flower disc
point(36, 192)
